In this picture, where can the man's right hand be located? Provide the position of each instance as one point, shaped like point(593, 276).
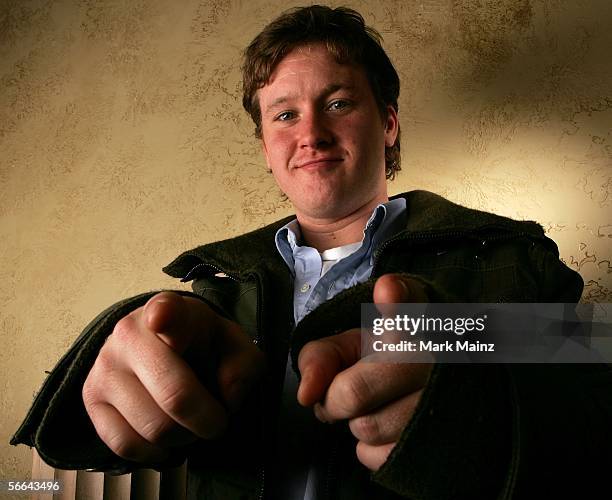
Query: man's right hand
point(146, 393)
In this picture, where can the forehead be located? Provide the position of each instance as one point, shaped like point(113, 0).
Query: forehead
point(313, 65)
point(315, 55)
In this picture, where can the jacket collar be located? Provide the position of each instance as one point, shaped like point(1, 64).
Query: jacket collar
point(428, 215)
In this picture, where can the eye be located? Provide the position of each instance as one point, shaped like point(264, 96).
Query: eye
point(284, 116)
point(338, 105)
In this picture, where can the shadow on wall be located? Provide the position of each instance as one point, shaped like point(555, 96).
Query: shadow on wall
point(506, 107)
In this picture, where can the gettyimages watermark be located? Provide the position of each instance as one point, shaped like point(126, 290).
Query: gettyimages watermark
point(487, 333)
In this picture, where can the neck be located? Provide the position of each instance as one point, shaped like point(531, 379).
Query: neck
point(326, 233)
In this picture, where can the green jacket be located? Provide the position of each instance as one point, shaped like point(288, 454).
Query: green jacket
point(480, 431)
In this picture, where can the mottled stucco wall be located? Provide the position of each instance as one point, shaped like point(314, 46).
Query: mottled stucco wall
point(122, 143)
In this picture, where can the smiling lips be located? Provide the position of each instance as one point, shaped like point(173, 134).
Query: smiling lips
point(318, 162)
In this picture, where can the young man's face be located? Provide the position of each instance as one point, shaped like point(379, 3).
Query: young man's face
point(323, 136)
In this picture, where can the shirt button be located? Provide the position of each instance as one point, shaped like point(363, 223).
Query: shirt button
point(305, 288)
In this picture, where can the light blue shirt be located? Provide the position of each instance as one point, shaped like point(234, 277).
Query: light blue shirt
point(313, 286)
point(316, 281)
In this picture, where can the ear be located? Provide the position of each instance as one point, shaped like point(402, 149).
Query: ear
point(391, 126)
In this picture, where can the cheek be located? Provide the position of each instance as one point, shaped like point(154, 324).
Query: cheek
point(278, 148)
point(365, 131)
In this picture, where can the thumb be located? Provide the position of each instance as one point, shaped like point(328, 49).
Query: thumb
point(321, 360)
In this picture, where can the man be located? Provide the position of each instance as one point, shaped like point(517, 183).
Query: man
point(205, 375)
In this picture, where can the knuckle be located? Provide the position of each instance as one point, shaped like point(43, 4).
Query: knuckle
point(122, 446)
point(366, 428)
point(109, 434)
point(174, 399)
point(125, 328)
point(94, 386)
point(352, 392)
point(157, 430)
point(104, 364)
point(229, 378)
point(89, 393)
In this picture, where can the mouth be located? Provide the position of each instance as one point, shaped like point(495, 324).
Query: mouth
point(315, 163)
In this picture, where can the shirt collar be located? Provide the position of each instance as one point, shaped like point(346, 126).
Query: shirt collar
point(386, 220)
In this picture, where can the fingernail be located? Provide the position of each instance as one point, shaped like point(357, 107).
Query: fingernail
point(305, 379)
point(404, 286)
point(152, 304)
point(319, 413)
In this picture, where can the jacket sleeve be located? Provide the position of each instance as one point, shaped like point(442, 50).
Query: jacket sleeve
point(510, 431)
point(57, 424)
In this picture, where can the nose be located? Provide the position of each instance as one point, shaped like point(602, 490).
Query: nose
point(315, 132)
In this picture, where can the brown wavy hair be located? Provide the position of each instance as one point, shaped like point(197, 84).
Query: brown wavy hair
point(346, 36)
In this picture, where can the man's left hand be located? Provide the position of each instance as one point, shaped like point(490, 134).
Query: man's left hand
point(377, 399)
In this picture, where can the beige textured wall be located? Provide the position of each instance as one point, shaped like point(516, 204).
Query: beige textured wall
point(122, 143)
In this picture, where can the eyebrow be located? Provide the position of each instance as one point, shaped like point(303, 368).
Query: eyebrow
point(329, 89)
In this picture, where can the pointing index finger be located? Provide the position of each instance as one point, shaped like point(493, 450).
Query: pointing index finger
point(176, 389)
point(320, 360)
point(180, 321)
point(397, 288)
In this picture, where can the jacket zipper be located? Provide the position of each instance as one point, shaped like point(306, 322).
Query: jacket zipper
point(257, 341)
point(202, 265)
point(263, 482)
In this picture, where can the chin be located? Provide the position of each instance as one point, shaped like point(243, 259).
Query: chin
point(326, 208)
